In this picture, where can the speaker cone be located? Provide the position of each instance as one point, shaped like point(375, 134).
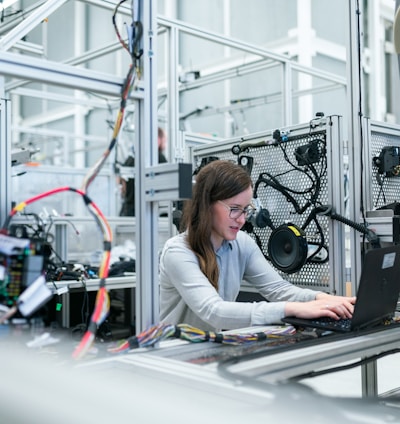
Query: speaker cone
point(287, 248)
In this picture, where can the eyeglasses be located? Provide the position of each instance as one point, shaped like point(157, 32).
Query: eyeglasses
point(235, 212)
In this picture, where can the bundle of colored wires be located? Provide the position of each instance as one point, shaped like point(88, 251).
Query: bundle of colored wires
point(135, 54)
point(94, 171)
point(102, 299)
point(193, 335)
point(146, 338)
point(159, 332)
point(102, 304)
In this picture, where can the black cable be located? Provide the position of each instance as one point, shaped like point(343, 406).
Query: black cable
point(364, 361)
point(380, 181)
point(272, 182)
point(4, 15)
point(321, 245)
point(371, 236)
point(288, 189)
point(314, 190)
point(85, 303)
point(310, 194)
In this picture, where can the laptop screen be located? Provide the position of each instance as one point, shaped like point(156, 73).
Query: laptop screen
point(379, 287)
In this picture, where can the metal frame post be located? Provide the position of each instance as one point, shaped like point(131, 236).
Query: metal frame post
point(5, 153)
point(355, 130)
point(147, 297)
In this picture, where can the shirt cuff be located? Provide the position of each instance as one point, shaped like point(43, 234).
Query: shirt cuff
point(267, 313)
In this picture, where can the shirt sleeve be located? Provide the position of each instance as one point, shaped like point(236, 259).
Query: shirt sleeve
point(181, 277)
point(260, 274)
point(182, 270)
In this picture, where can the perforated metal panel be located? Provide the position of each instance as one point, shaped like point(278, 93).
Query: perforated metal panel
point(371, 190)
point(321, 184)
point(380, 190)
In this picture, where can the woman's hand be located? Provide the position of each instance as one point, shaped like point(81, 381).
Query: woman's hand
point(325, 305)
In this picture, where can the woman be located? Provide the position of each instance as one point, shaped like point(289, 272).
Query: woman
point(201, 269)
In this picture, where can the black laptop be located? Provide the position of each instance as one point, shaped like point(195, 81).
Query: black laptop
point(377, 295)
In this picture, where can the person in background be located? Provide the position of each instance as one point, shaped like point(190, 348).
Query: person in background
point(128, 186)
point(162, 145)
point(202, 268)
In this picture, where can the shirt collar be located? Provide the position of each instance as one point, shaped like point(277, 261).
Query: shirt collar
point(226, 245)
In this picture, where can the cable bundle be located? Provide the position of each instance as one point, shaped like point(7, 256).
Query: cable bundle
point(146, 338)
point(102, 304)
point(101, 309)
point(159, 332)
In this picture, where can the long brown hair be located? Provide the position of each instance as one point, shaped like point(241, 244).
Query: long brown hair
point(219, 180)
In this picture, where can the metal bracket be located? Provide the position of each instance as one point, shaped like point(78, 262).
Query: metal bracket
point(168, 182)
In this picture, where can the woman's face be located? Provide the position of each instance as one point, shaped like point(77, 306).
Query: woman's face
point(223, 226)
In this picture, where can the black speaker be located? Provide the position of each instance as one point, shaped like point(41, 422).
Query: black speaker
point(287, 248)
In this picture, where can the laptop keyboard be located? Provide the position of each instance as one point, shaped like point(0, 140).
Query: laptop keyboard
point(341, 324)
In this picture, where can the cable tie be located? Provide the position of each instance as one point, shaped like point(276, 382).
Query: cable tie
point(92, 328)
point(86, 199)
point(112, 144)
point(138, 55)
point(261, 336)
point(177, 333)
point(133, 342)
point(219, 338)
